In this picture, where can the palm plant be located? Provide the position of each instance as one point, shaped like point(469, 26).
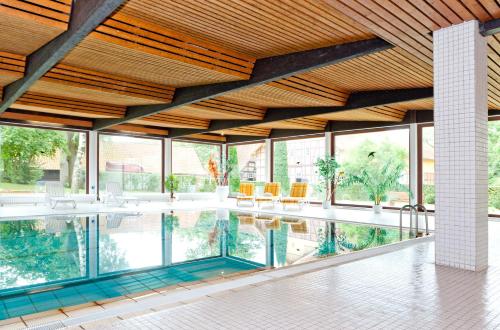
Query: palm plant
point(327, 170)
point(172, 184)
point(378, 178)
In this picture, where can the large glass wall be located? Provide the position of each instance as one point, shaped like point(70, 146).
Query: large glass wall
point(294, 160)
point(30, 157)
point(249, 164)
point(427, 166)
point(190, 165)
point(135, 163)
point(373, 152)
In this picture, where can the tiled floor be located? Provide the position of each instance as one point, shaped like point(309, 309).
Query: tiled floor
point(400, 290)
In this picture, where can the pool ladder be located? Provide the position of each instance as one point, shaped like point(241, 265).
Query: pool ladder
point(413, 209)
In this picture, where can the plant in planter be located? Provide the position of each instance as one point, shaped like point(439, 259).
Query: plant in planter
point(172, 184)
point(220, 174)
point(378, 178)
point(329, 178)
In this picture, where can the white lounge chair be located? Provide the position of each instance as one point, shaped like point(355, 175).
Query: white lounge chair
point(55, 194)
point(115, 194)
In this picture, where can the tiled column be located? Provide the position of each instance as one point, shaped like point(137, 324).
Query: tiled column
point(460, 126)
point(269, 146)
point(328, 144)
point(93, 170)
point(168, 156)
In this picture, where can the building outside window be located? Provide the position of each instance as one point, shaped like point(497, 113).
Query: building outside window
point(249, 165)
point(190, 165)
point(294, 160)
point(135, 163)
point(356, 151)
point(30, 157)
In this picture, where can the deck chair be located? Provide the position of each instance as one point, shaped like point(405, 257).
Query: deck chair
point(115, 194)
point(271, 194)
point(270, 221)
point(246, 193)
point(55, 195)
point(246, 219)
point(298, 194)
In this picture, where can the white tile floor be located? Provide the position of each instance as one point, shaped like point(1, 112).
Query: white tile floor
point(399, 290)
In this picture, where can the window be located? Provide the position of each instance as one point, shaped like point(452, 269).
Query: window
point(388, 148)
point(189, 164)
point(427, 167)
point(249, 164)
point(294, 160)
point(30, 157)
point(135, 163)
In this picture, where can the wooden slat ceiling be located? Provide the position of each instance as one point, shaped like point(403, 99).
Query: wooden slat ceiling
point(148, 48)
point(27, 25)
point(258, 28)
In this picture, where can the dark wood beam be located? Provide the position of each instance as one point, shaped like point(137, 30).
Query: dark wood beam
point(490, 28)
point(356, 101)
point(265, 70)
point(86, 15)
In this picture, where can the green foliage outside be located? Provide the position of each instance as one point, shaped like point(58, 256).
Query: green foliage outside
point(21, 150)
point(171, 184)
point(494, 165)
point(355, 162)
point(281, 244)
point(280, 168)
point(204, 238)
point(132, 182)
point(234, 176)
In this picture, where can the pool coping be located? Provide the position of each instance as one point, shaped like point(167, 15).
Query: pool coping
point(154, 301)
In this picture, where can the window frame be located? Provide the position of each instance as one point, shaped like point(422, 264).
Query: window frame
point(65, 129)
point(420, 178)
point(298, 137)
point(149, 137)
point(371, 130)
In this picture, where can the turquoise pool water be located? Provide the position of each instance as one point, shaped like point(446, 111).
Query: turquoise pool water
point(53, 262)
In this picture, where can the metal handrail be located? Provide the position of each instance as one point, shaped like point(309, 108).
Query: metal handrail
point(418, 207)
point(413, 208)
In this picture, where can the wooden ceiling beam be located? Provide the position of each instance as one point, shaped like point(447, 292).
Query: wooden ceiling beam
point(357, 100)
point(85, 17)
point(265, 70)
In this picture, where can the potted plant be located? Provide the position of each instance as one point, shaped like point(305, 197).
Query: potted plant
point(377, 178)
point(220, 174)
point(329, 178)
point(172, 184)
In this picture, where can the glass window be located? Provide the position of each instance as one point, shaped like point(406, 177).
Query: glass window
point(427, 167)
point(493, 167)
point(135, 163)
point(391, 148)
point(249, 165)
point(32, 156)
point(190, 165)
point(294, 160)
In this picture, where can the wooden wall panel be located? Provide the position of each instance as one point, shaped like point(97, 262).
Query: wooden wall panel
point(249, 131)
point(27, 25)
point(259, 28)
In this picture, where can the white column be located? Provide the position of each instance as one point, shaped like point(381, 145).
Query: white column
point(168, 157)
point(269, 146)
point(93, 232)
point(413, 163)
point(460, 128)
point(93, 170)
point(328, 144)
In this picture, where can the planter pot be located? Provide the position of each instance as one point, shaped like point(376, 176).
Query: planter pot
point(377, 209)
point(170, 199)
point(327, 205)
point(222, 192)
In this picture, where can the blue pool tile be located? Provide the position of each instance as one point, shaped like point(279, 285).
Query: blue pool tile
point(17, 302)
point(45, 301)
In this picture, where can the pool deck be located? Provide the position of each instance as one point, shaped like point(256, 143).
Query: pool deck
point(341, 214)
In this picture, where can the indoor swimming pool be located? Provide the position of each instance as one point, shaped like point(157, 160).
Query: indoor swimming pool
point(58, 261)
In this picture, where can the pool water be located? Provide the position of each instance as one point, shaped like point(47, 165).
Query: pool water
point(54, 262)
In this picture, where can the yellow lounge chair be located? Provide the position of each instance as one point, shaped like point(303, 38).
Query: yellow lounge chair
point(246, 219)
point(246, 193)
point(269, 221)
point(271, 194)
point(298, 194)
